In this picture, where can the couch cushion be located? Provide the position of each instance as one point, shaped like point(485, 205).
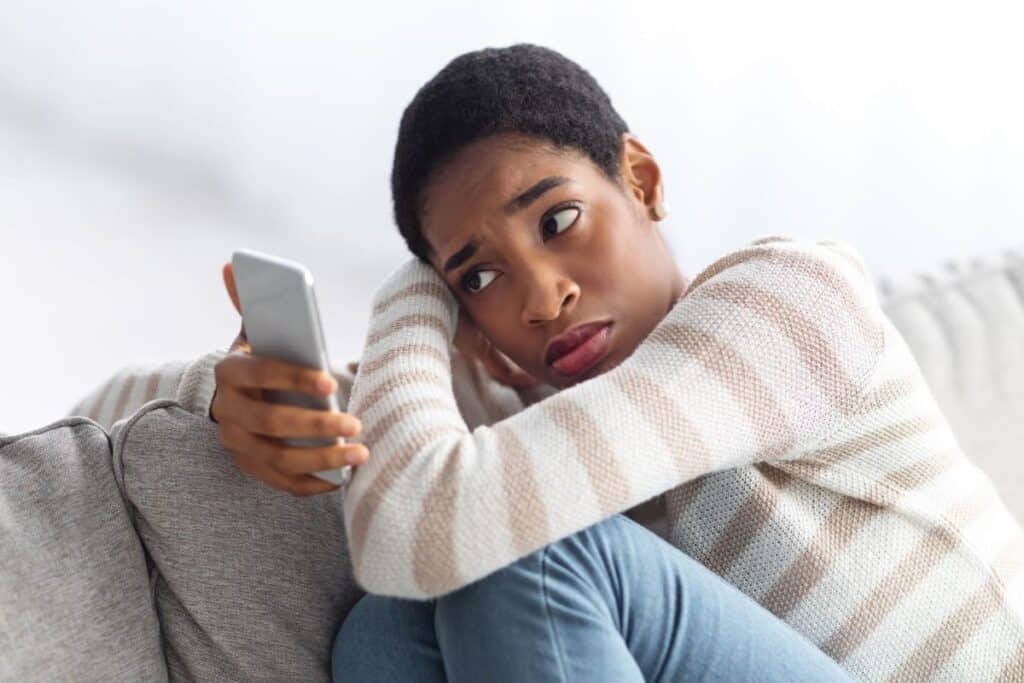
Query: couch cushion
point(75, 599)
point(965, 327)
point(251, 583)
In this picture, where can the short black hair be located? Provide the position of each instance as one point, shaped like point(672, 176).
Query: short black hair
point(523, 88)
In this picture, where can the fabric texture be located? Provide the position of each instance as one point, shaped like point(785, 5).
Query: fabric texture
point(965, 325)
point(251, 583)
point(801, 453)
point(75, 600)
point(132, 386)
point(610, 603)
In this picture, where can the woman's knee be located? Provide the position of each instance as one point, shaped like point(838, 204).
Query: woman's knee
point(377, 632)
point(509, 581)
point(362, 626)
point(523, 581)
point(590, 555)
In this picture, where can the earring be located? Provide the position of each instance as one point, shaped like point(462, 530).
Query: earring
point(659, 211)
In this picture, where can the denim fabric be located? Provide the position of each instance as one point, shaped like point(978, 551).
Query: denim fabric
point(613, 602)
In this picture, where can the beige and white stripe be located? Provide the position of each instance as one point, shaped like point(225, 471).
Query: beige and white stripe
point(729, 370)
point(803, 457)
point(127, 390)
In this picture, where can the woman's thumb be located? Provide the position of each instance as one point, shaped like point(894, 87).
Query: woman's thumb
point(229, 283)
point(241, 342)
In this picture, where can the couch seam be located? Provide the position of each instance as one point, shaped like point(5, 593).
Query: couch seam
point(69, 421)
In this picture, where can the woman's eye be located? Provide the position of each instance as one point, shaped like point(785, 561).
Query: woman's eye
point(477, 280)
point(559, 221)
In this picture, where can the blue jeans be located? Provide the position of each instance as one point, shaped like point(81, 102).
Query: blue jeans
point(613, 602)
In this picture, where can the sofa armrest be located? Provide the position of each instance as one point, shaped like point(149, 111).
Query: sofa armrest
point(132, 386)
point(190, 382)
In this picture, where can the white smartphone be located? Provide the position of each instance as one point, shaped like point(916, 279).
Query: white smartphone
point(282, 321)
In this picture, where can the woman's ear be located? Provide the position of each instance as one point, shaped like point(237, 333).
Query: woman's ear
point(642, 177)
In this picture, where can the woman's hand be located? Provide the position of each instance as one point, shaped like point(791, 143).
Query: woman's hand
point(251, 427)
point(472, 343)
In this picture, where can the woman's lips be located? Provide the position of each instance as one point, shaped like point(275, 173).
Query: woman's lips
point(587, 354)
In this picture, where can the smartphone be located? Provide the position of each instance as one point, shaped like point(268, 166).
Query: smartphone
point(282, 321)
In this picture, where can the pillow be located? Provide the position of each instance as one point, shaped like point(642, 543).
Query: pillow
point(251, 583)
point(965, 328)
point(75, 599)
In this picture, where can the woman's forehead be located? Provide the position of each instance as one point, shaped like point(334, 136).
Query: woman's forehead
point(491, 173)
point(478, 184)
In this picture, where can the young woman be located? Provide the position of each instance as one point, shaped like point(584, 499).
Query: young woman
point(823, 521)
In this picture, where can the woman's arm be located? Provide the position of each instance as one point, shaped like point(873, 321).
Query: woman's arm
point(130, 387)
point(761, 358)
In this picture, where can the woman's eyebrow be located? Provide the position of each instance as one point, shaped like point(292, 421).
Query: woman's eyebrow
point(461, 256)
point(517, 203)
point(540, 187)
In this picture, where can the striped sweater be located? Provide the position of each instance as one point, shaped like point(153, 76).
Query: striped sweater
point(778, 414)
point(879, 541)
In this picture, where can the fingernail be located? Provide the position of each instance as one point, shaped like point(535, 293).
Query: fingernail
point(353, 425)
point(325, 385)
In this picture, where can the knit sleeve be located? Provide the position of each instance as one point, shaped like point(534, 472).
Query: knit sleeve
point(761, 358)
point(481, 399)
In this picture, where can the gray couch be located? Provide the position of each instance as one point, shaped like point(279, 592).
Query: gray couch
point(137, 551)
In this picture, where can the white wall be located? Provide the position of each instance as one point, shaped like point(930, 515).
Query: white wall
point(140, 142)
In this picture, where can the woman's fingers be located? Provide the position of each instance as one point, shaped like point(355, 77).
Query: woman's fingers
point(472, 343)
point(494, 366)
point(307, 460)
point(246, 371)
point(508, 372)
point(504, 370)
point(281, 420)
point(287, 468)
point(251, 428)
point(297, 485)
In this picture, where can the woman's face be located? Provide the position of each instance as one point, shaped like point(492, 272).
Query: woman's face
point(535, 241)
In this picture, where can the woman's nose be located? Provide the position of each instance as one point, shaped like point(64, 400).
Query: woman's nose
point(548, 296)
